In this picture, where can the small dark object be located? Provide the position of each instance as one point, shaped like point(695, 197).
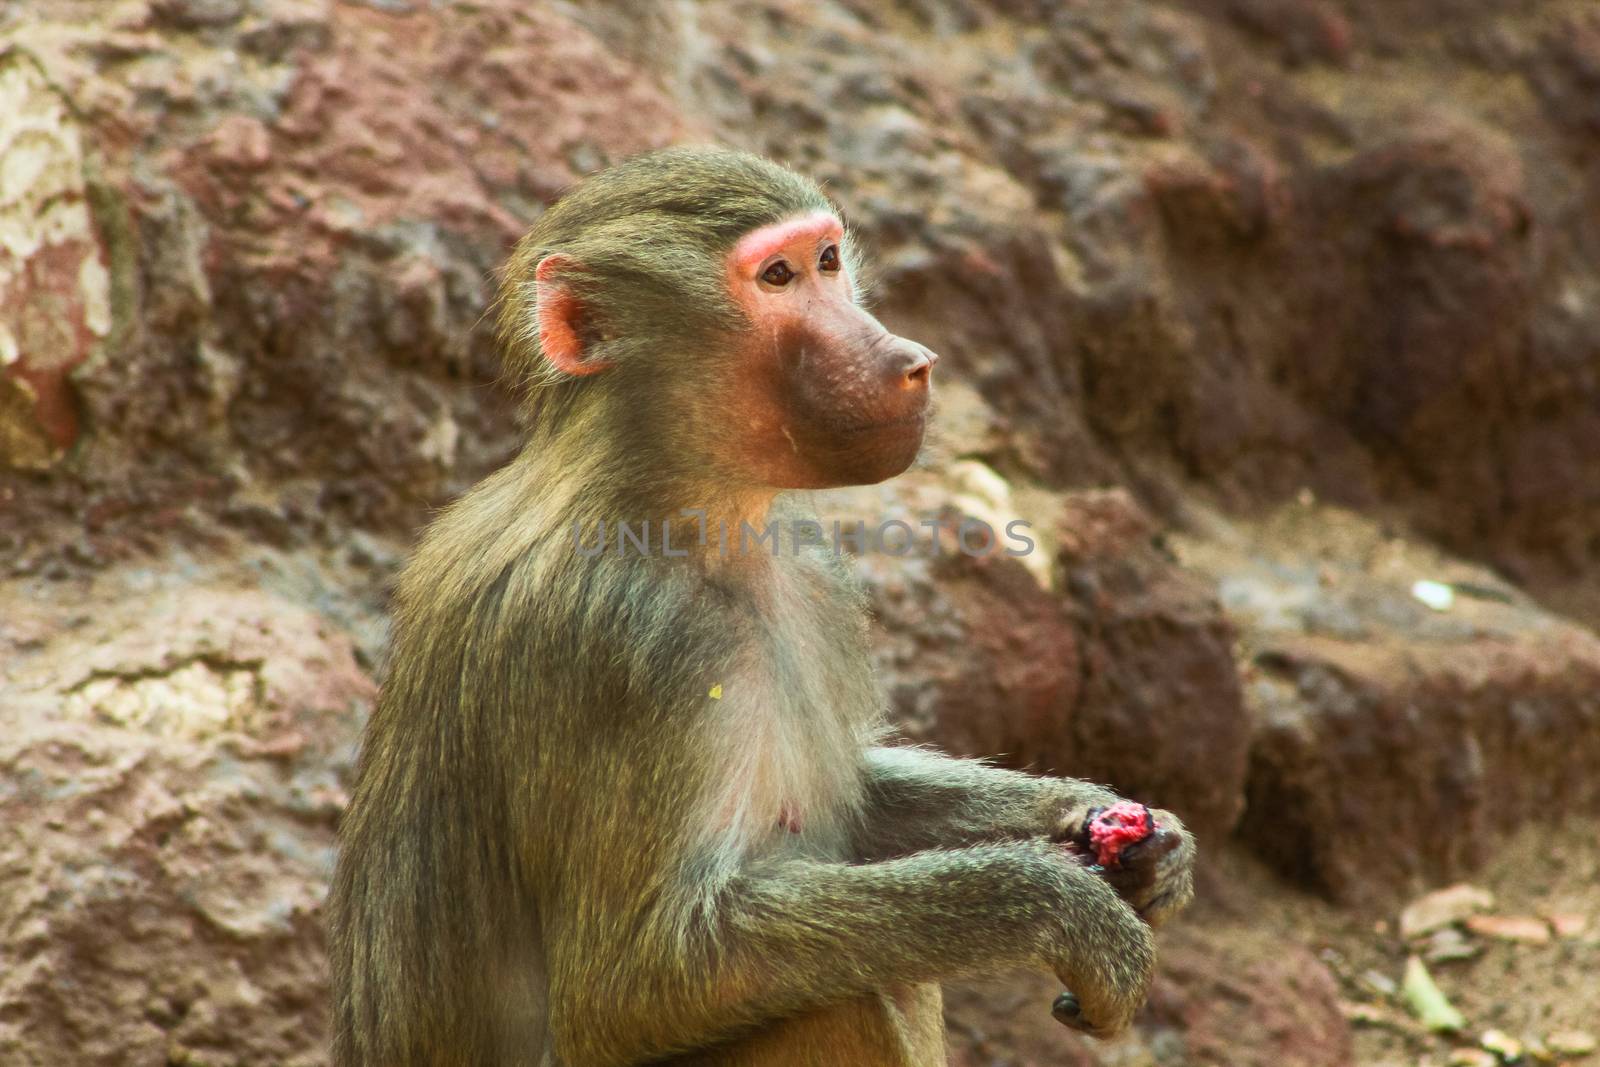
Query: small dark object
point(1482, 592)
point(1067, 1009)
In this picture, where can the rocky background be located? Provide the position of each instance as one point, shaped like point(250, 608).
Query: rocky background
point(1260, 311)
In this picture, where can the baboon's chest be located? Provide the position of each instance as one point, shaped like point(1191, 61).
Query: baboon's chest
point(795, 715)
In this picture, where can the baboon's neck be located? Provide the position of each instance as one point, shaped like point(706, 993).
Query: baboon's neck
point(662, 510)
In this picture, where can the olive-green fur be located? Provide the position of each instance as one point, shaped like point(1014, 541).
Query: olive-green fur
point(564, 846)
point(648, 239)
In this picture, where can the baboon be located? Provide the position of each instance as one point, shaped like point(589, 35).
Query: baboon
point(624, 807)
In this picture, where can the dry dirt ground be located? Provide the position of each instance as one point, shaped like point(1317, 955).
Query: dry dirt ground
point(1527, 991)
point(1263, 974)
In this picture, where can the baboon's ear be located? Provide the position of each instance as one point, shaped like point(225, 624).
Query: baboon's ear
point(564, 336)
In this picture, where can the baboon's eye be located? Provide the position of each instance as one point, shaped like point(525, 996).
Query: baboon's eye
point(829, 263)
point(778, 274)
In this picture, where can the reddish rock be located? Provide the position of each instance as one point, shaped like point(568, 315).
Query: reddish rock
point(1377, 770)
point(1394, 743)
point(1352, 297)
point(55, 292)
point(979, 659)
point(1155, 252)
point(1565, 71)
point(1304, 30)
point(1008, 1020)
point(1225, 996)
point(1240, 999)
point(256, 215)
point(1125, 676)
point(168, 824)
point(1161, 715)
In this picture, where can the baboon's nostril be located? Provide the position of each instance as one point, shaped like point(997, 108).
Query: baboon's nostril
point(919, 365)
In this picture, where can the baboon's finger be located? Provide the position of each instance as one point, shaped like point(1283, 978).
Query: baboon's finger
point(1069, 1012)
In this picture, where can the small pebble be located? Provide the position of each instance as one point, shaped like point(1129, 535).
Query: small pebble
point(1569, 924)
point(1379, 983)
point(1436, 595)
point(1365, 1015)
point(1501, 1044)
point(1450, 945)
point(1572, 1042)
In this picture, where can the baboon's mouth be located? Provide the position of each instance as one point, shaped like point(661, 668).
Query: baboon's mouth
point(915, 418)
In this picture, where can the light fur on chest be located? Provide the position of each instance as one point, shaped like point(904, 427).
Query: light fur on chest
point(791, 739)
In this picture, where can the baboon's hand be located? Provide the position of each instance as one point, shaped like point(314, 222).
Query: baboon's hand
point(1069, 822)
point(1107, 971)
point(1155, 875)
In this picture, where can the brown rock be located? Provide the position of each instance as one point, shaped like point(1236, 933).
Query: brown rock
point(1304, 30)
point(1144, 296)
point(1566, 73)
point(169, 875)
point(1127, 678)
point(1161, 714)
point(266, 369)
point(1326, 810)
point(979, 659)
point(1241, 1001)
point(1223, 998)
point(1393, 743)
point(55, 292)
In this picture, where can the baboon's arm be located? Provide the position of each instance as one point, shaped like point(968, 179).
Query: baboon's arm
point(917, 799)
point(789, 935)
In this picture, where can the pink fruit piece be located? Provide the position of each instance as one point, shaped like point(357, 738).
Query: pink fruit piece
point(1114, 828)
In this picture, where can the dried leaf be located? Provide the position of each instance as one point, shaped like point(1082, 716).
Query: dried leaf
point(1572, 1043)
point(1427, 1001)
point(1443, 908)
point(1568, 924)
point(1521, 928)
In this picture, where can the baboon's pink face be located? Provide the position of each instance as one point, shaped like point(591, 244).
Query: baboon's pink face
point(823, 395)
